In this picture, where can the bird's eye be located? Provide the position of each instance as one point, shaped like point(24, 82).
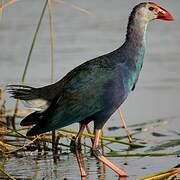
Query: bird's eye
point(151, 8)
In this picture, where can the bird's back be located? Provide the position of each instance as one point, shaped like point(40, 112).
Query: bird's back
point(93, 87)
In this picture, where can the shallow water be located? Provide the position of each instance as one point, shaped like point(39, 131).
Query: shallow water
point(80, 37)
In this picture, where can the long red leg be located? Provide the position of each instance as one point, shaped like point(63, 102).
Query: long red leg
point(103, 159)
point(79, 155)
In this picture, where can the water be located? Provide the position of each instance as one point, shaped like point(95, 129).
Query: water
point(80, 37)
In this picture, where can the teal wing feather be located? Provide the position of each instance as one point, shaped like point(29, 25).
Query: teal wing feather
point(81, 97)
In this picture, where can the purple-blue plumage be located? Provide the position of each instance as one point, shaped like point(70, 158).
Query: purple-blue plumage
point(94, 90)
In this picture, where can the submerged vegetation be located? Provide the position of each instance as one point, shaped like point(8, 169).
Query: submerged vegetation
point(14, 143)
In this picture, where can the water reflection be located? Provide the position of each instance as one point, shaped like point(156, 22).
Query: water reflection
point(101, 171)
point(156, 95)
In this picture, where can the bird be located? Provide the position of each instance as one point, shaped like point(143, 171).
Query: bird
point(94, 90)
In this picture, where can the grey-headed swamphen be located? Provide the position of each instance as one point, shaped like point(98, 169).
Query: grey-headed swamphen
point(94, 90)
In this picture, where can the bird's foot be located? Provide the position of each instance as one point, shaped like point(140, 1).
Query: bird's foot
point(96, 151)
point(121, 172)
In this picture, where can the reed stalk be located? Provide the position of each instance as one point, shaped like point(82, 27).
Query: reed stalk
point(103, 138)
point(29, 58)
point(7, 174)
point(159, 154)
point(51, 31)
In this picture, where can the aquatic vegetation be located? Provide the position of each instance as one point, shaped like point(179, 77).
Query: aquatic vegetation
point(148, 139)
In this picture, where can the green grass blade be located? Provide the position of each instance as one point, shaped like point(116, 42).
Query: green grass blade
point(7, 174)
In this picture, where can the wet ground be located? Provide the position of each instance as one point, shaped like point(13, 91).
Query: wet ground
point(80, 37)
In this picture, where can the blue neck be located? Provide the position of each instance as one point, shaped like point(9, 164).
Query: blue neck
point(133, 50)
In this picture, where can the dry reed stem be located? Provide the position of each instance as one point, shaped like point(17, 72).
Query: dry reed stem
point(168, 175)
point(29, 58)
point(1, 9)
point(51, 31)
point(74, 6)
point(7, 174)
point(122, 119)
point(5, 147)
point(5, 5)
point(52, 37)
point(18, 149)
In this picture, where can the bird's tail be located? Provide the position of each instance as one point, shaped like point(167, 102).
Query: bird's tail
point(32, 97)
point(22, 92)
point(36, 118)
point(31, 119)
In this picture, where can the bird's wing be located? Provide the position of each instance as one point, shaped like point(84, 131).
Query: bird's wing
point(82, 96)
